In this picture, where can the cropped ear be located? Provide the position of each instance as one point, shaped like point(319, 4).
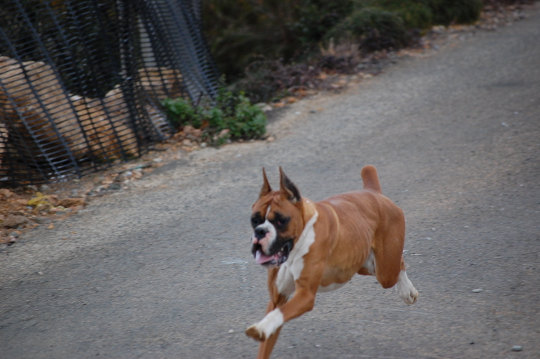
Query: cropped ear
point(266, 185)
point(287, 187)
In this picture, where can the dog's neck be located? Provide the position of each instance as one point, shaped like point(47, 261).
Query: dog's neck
point(308, 210)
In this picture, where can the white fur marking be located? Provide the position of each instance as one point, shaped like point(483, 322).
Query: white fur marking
point(291, 269)
point(405, 289)
point(369, 263)
point(270, 323)
point(271, 234)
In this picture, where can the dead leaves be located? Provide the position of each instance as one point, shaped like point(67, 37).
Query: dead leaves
point(40, 200)
point(25, 208)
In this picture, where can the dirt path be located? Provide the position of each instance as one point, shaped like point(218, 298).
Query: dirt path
point(165, 272)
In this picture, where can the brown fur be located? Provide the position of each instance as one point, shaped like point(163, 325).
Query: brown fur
point(348, 226)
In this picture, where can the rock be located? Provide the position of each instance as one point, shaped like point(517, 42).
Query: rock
point(479, 290)
point(14, 221)
point(58, 209)
point(517, 348)
point(13, 235)
point(73, 202)
point(120, 178)
point(44, 207)
point(42, 220)
point(115, 186)
point(270, 139)
point(44, 188)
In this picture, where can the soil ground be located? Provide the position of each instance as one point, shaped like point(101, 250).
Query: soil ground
point(164, 270)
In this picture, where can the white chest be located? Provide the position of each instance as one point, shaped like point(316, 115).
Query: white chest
point(290, 271)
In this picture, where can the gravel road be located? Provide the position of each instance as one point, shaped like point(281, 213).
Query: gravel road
point(164, 270)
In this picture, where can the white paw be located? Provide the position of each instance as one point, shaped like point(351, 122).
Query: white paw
point(255, 333)
point(409, 297)
point(266, 327)
point(405, 289)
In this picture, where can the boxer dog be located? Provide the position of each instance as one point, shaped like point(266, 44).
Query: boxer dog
point(311, 247)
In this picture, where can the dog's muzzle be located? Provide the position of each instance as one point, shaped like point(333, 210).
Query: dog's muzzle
point(273, 260)
point(260, 233)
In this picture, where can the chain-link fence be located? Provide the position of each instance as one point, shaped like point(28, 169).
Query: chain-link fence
point(81, 81)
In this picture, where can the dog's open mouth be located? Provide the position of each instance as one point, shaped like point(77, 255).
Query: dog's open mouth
point(274, 260)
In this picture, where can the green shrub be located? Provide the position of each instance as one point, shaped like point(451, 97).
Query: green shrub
point(375, 28)
point(244, 34)
point(317, 17)
point(422, 14)
point(446, 12)
point(416, 14)
point(240, 32)
point(180, 111)
point(231, 112)
point(383, 24)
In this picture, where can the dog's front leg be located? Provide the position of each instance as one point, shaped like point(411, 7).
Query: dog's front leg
point(266, 347)
point(267, 344)
point(302, 301)
point(262, 330)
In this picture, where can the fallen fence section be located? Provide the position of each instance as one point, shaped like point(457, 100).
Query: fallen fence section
point(81, 82)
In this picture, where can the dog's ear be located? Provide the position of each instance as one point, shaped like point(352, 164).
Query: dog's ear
point(266, 185)
point(287, 187)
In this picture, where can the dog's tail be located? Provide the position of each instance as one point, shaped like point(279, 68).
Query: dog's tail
point(371, 179)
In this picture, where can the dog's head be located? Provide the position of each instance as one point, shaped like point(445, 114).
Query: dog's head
point(277, 222)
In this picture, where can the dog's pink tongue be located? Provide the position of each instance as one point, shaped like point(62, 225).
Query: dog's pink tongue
point(262, 258)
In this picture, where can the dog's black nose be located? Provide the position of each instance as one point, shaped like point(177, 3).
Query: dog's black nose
point(260, 233)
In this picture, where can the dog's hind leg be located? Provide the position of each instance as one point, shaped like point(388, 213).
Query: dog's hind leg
point(387, 250)
point(405, 288)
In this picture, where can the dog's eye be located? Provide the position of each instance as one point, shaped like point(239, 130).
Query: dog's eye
point(255, 221)
point(281, 222)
